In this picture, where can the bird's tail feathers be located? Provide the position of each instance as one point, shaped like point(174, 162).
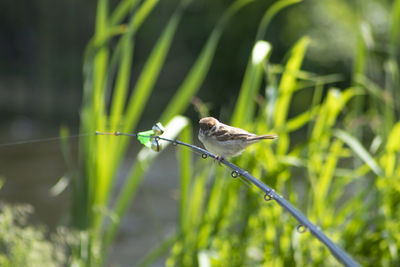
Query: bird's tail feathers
point(261, 137)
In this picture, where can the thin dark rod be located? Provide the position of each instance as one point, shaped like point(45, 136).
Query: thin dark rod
point(336, 251)
point(339, 253)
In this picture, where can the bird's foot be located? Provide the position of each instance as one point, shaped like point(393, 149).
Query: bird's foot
point(219, 159)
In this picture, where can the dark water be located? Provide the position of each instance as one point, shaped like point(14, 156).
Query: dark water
point(30, 171)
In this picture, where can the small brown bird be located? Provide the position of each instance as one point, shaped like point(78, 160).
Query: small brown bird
point(224, 140)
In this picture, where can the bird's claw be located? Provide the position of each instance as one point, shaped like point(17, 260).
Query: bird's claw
point(219, 159)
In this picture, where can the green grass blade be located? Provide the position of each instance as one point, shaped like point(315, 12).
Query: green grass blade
point(194, 215)
point(252, 79)
point(302, 119)
point(158, 251)
point(288, 82)
point(150, 73)
point(245, 106)
point(65, 148)
point(193, 81)
point(373, 89)
point(198, 72)
point(393, 143)
point(395, 27)
point(287, 87)
point(143, 13)
point(122, 83)
point(93, 113)
point(101, 18)
point(185, 159)
point(326, 178)
point(392, 147)
point(121, 11)
point(123, 77)
point(359, 68)
point(270, 14)
point(358, 148)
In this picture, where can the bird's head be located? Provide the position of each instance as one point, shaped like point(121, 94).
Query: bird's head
point(208, 125)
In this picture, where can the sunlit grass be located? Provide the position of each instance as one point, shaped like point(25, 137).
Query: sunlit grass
point(349, 189)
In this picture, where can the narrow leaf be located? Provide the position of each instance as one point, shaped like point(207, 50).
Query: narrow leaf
point(198, 72)
point(358, 148)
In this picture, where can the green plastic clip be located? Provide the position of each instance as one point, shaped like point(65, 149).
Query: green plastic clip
point(144, 138)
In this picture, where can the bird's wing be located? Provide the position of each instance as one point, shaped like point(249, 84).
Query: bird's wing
point(226, 133)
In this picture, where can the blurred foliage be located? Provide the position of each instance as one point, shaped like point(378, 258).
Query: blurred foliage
point(26, 245)
point(342, 170)
point(42, 45)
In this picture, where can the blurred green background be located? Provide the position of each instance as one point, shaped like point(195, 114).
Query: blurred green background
point(42, 45)
point(329, 88)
